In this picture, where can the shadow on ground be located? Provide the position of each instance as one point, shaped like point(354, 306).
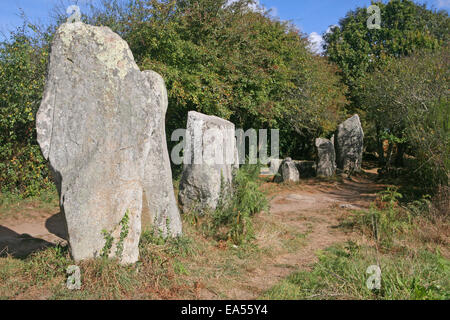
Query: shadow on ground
point(21, 245)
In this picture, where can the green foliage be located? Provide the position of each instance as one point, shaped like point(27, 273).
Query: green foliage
point(227, 61)
point(109, 239)
point(180, 246)
point(341, 274)
point(234, 63)
point(232, 219)
point(384, 221)
point(23, 63)
point(405, 28)
point(408, 98)
point(123, 233)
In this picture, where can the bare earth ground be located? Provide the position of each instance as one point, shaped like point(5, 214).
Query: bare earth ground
point(309, 213)
point(303, 219)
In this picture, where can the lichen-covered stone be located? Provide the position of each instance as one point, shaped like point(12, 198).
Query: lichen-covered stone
point(209, 159)
point(326, 164)
point(99, 125)
point(287, 172)
point(348, 143)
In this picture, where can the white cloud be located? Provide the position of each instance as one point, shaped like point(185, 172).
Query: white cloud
point(315, 42)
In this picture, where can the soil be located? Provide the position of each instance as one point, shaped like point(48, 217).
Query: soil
point(310, 210)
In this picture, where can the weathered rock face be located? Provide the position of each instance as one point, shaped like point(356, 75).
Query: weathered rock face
point(348, 142)
point(326, 165)
point(209, 159)
point(287, 172)
point(100, 127)
point(306, 169)
point(160, 206)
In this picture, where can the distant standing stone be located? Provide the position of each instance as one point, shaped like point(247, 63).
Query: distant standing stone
point(326, 164)
point(287, 172)
point(349, 142)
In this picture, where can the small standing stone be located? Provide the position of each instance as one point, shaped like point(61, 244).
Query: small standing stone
point(287, 172)
point(326, 165)
point(349, 142)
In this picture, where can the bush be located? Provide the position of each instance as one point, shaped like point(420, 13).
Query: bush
point(223, 60)
point(23, 63)
point(408, 98)
point(236, 209)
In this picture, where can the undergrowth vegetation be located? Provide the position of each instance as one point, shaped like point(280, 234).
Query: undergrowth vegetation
point(391, 238)
point(232, 219)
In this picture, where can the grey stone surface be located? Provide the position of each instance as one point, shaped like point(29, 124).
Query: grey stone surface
point(209, 160)
point(326, 164)
point(99, 125)
point(348, 143)
point(287, 172)
point(160, 206)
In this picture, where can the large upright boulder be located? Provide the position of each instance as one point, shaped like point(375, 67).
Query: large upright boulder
point(326, 163)
point(287, 172)
point(101, 125)
point(348, 143)
point(209, 159)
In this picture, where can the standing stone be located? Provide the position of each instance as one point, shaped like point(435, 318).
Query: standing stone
point(160, 207)
point(99, 125)
point(326, 164)
point(348, 142)
point(209, 159)
point(287, 172)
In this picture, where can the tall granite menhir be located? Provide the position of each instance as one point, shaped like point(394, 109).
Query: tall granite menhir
point(348, 143)
point(209, 158)
point(101, 126)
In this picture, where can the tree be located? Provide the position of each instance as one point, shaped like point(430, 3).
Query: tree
point(409, 96)
point(23, 63)
point(405, 28)
point(234, 62)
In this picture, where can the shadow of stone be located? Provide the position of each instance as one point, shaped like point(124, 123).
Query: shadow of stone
point(20, 245)
point(57, 225)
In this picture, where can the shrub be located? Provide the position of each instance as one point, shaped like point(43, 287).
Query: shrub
point(232, 220)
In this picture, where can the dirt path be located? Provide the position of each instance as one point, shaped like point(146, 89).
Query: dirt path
point(23, 233)
point(303, 219)
point(312, 210)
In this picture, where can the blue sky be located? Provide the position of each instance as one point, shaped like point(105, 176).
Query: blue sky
point(311, 16)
